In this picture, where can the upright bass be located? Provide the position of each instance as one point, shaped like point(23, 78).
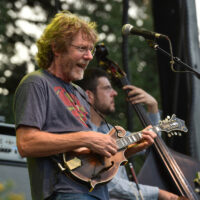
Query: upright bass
point(169, 170)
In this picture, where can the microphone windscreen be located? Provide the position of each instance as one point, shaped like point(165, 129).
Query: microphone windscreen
point(126, 29)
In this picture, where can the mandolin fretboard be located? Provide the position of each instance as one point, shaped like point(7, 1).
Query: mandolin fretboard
point(127, 140)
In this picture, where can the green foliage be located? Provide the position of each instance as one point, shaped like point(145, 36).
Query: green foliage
point(7, 194)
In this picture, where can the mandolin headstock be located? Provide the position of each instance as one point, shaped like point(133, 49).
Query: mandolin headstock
point(173, 126)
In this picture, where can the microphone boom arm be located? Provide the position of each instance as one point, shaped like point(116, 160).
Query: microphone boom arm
point(177, 60)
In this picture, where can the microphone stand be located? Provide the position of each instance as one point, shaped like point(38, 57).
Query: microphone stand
point(155, 46)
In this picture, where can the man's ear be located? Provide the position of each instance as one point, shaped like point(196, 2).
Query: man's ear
point(54, 50)
point(90, 95)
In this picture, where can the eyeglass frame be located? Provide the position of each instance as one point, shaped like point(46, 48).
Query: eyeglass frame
point(84, 49)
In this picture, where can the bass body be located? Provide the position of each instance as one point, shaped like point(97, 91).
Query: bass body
point(166, 176)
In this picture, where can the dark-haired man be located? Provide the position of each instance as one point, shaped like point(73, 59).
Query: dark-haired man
point(101, 96)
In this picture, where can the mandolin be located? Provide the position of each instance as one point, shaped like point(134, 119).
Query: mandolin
point(93, 169)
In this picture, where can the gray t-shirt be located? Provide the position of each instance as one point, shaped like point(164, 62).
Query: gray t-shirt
point(48, 103)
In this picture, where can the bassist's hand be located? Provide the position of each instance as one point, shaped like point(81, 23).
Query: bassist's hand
point(164, 195)
point(137, 95)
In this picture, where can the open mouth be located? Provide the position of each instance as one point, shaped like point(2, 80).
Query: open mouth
point(82, 66)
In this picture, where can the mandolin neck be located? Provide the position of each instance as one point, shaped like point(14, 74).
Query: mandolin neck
point(124, 142)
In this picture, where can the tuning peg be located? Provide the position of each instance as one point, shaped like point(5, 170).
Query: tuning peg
point(175, 133)
point(168, 117)
point(169, 135)
point(179, 134)
point(165, 120)
point(173, 116)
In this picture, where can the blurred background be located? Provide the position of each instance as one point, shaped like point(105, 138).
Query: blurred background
point(22, 22)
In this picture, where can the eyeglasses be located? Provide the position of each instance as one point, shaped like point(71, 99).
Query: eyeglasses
point(84, 49)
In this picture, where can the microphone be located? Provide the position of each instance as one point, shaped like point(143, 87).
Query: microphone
point(129, 29)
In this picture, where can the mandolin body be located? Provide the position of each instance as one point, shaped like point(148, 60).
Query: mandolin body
point(93, 168)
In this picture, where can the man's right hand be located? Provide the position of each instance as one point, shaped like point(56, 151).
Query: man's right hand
point(102, 144)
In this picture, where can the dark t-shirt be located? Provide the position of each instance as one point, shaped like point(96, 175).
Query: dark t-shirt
point(48, 103)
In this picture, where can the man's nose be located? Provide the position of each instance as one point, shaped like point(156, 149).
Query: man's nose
point(88, 55)
point(114, 92)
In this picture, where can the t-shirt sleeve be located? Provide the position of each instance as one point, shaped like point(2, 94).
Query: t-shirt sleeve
point(30, 106)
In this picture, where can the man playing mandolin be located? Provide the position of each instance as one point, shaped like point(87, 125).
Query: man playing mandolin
point(101, 96)
point(52, 114)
